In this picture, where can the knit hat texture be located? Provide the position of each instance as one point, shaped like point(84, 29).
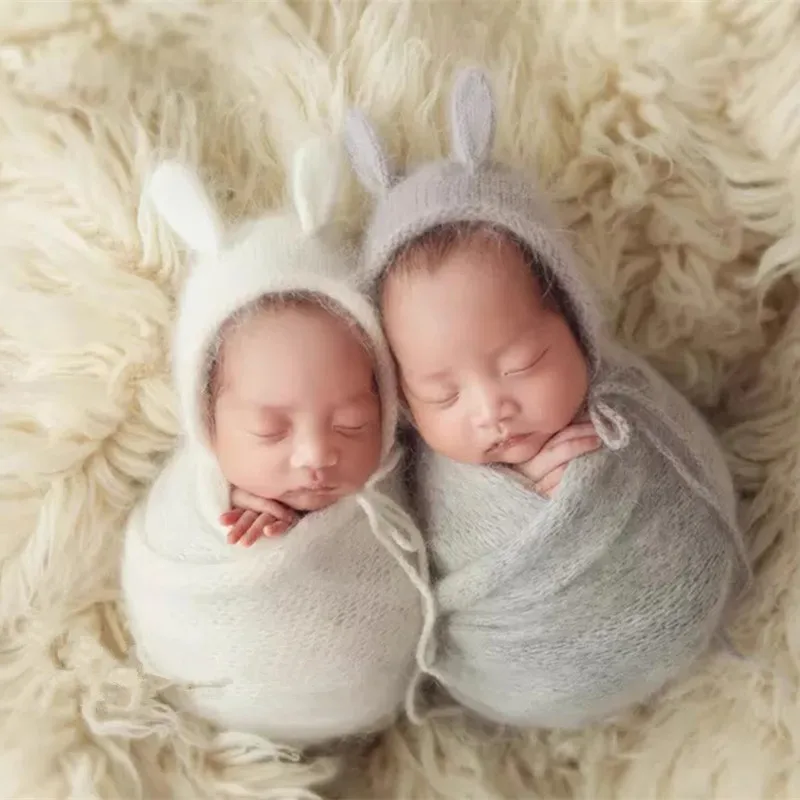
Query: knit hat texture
point(560, 611)
point(297, 250)
point(466, 187)
point(304, 638)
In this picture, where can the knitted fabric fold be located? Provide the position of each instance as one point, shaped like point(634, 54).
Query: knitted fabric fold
point(300, 638)
point(320, 633)
point(560, 612)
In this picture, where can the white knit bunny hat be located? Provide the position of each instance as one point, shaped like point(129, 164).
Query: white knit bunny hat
point(294, 251)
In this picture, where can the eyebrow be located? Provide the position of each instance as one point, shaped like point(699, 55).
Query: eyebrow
point(429, 376)
point(360, 397)
point(531, 329)
point(354, 399)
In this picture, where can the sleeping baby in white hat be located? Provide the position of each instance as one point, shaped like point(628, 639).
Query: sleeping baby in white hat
point(287, 392)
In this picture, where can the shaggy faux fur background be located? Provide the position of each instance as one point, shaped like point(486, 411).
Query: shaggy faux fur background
point(670, 130)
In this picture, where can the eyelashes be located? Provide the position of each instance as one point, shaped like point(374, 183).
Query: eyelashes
point(353, 430)
point(445, 402)
point(529, 367)
point(520, 371)
point(271, 437)
point(344, 430)
point(452, 398)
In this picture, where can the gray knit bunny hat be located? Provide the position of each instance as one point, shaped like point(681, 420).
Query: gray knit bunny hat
point(466, 187)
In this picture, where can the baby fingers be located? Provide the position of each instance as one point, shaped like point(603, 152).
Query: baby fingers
point(548, 485)
point(264, 525)
point(243, 499)
point(580, 430)
point(276, 527)
point(559, 454)
point(231, 517)
point(242, 526)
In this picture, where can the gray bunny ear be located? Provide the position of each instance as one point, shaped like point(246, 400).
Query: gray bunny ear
point(370, 161)
point(472, 118)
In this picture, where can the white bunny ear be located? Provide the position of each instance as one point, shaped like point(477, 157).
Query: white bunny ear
point(370, 161)
point(182, 201)
point(472, 118)
point(315, 182)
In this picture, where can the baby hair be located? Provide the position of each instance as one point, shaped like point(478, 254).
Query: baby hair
point(428, 251)
point(267, 304)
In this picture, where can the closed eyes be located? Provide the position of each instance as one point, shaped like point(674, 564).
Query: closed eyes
point(352, 430)
point(275, 436)
point(346, 430)
point(528, 367)
point(440, 402)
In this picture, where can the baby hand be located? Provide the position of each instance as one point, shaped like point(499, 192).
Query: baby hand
point(548, 466)
point(252, 517)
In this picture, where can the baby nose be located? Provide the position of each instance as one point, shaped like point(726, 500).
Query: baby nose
point(314, 452)
point(491, 408)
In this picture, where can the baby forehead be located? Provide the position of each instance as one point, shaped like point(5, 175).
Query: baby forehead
point(435, 245)
point(295, 344)
point(473, 280)
point(468, 253)
point(281, 325)
point(308, 388)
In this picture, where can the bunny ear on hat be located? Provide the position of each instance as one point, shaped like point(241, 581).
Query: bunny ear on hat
point(369, 159)
point(182, 201)
point(472, 118)
point(315, 181)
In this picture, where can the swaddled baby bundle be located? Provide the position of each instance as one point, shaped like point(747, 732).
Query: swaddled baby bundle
point(558, 612)
point(305, 637)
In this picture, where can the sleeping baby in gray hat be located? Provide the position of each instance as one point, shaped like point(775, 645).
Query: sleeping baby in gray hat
point(579, 512)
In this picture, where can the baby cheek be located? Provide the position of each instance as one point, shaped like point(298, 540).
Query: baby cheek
point(571, 390)
point(360, 457)
point(264, 469)
point(442, 429)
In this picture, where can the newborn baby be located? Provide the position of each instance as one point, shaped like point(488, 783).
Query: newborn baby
point(492, 373)
point(580, 514)
point(286, 390)
point(296, 417)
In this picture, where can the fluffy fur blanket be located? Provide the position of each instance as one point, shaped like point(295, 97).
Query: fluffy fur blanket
point(671, 133)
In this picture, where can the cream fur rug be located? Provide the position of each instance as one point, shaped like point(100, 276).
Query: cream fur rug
point(673, 132)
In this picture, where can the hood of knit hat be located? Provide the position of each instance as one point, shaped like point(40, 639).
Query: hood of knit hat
point(294, 250)
point(466, 187)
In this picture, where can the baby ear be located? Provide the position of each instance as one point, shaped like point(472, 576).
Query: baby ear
point(368, 158)
point(181, 200)
point(472, 118)
point(315, 182)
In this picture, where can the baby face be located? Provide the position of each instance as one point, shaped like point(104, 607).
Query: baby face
point(297, 417)
point(490, 369)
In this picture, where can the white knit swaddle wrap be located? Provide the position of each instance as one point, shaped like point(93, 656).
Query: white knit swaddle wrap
point(301, 638)
point(562, 612)
point(313, 635)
